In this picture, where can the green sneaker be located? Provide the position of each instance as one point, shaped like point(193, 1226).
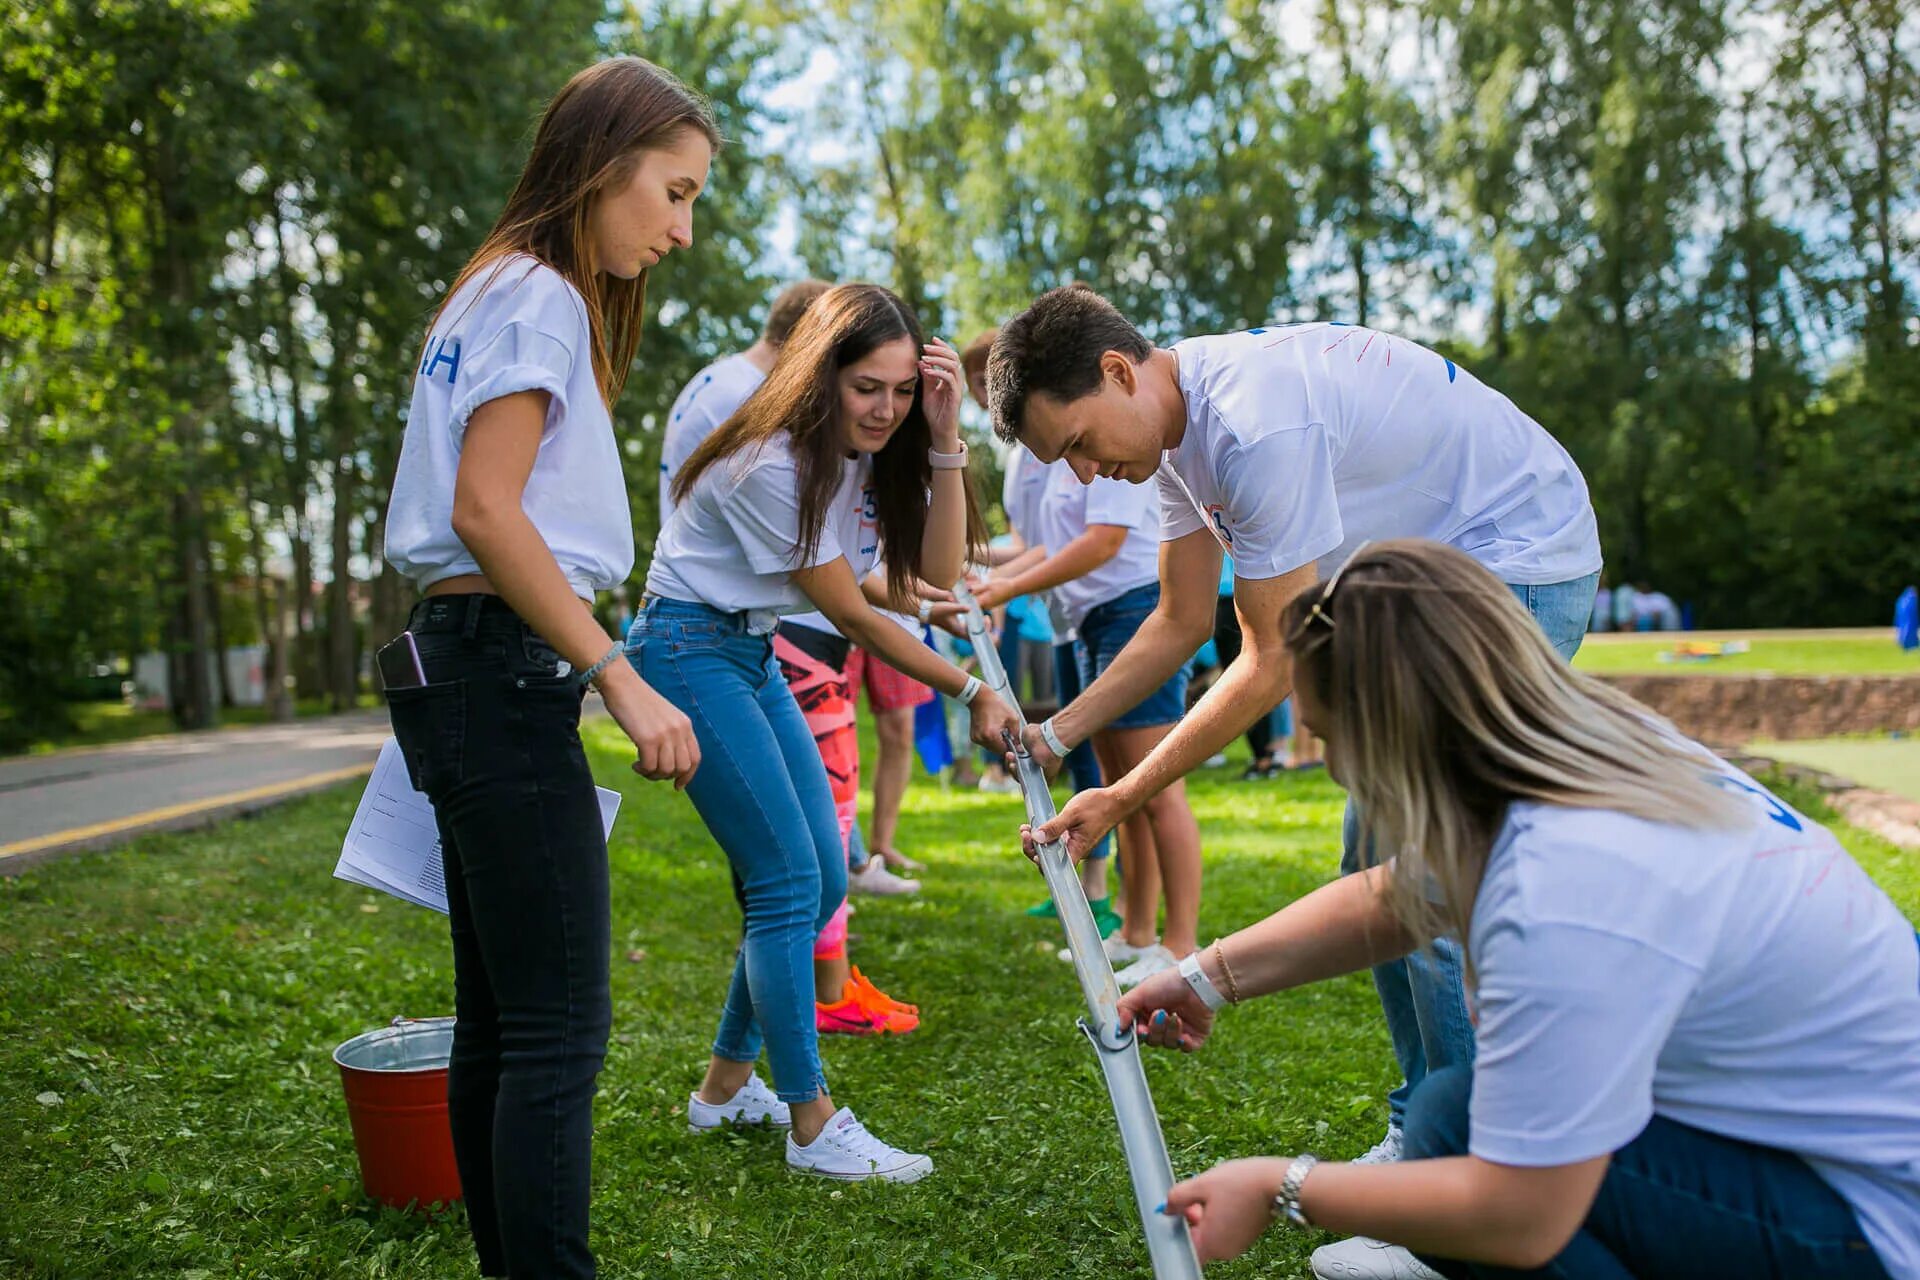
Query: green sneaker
point(1044, 911)
point(1105, 916)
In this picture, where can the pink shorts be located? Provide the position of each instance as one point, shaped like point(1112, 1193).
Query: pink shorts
point(887, 688)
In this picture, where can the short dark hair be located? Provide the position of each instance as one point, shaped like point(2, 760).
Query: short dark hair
point(788, 308)
point(1054, 346)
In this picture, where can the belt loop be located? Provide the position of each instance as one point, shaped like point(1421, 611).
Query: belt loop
point(471, 627)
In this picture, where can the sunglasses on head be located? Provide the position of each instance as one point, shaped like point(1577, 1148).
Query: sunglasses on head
point(1319, 612)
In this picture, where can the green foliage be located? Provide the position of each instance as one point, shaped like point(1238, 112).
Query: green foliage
point(1680, 233)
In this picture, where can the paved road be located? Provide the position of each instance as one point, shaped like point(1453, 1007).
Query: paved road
point(89, 798)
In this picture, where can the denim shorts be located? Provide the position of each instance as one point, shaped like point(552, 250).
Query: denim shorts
point(1106, 630)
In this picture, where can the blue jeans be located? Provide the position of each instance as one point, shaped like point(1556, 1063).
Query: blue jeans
point(1107, 629)
point(763, 793)
point(1678, 1203)
point(1424, 994)
point(1081, 764)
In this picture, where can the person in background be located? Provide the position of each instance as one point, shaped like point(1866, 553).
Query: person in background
point(1102, 553)
point(1697, 1019)
point(1024, 481)
point(1624, 612)
point(712, 395)
point(1226, 639)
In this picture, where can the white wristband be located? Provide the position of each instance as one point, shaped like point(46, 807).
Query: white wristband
point(1202, 985)
point(1052, 739)
point(926, 611)
point(969, 691)
point(948, 461)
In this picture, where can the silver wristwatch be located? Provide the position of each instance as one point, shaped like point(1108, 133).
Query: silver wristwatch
point(1287, 1203)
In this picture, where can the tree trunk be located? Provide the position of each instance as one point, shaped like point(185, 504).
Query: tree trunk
point(342, 684)
point(193, 695)
point(270, 614)
point(217, 620)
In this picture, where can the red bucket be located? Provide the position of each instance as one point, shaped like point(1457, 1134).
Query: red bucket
point(396, 1083)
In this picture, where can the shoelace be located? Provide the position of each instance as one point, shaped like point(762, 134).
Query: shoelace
point(854, 1139)
point(755, 1091)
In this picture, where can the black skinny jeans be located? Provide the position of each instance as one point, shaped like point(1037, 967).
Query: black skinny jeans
point(493, 740)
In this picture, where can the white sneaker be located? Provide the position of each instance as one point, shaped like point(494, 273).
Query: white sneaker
point(1385, 1151)
point(1119, 950)
point(1364, 1259)
point(846, 1151)
point(1215, 760)
point(1154, 960)
point(752, 1103)
point(999, 784)
point(875, 878)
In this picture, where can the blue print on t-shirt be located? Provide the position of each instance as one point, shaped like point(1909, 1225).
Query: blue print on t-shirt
point(438, 356)
point(1775, 810)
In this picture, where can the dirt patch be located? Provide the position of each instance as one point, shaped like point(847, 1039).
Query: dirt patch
point(1732, 709)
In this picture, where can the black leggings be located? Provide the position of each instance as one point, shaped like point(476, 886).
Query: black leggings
point(493, 740)
point(1226, 642)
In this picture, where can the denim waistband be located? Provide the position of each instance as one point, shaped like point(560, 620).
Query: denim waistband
point(1140, 599)
point(472, 614)
point(744, 622)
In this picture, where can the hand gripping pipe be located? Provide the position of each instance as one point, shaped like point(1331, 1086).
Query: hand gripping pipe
point(1168, 1244)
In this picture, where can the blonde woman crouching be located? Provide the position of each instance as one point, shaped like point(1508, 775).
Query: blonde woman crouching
point(1697, 1020)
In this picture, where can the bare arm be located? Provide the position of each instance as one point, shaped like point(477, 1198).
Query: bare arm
point(943, 548)
point(1179, 625)
point(496, 458)
point(1015, 558)
point(1458, 1207)
point(832, 589)
point(1099, 544)
point(1252, 685)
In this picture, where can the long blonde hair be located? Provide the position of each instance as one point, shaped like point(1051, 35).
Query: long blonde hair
point(1446, 704)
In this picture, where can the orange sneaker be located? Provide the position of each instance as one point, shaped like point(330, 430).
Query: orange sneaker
point(849, 1016)
point(877, 999)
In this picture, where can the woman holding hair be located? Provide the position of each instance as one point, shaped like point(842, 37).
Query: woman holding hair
point(1697, 1020)
point(847, 459)
point(509, 512)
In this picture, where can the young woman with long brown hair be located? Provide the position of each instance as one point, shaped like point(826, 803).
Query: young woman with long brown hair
point(1697, 1020)
point(509, 512)
point(848, 458)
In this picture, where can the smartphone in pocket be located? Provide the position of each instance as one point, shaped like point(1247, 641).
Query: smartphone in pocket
point(398, 662)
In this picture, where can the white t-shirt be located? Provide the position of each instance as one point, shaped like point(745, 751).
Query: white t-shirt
point(702, 405)
point(1303, 441)
point(1068, 508)
point(1753, 983)
point(1020, 491)
point(1025, 479)
point(521, 329)
point(734, 542)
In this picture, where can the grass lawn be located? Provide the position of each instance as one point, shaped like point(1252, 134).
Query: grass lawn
point(1883, 762)
point(1845, 654)
point(103, 723)
point(168, 1011)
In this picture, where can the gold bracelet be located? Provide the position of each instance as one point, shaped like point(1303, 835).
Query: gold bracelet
point(1233, 987)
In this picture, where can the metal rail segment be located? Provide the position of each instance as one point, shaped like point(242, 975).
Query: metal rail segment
point(1169, 1247)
